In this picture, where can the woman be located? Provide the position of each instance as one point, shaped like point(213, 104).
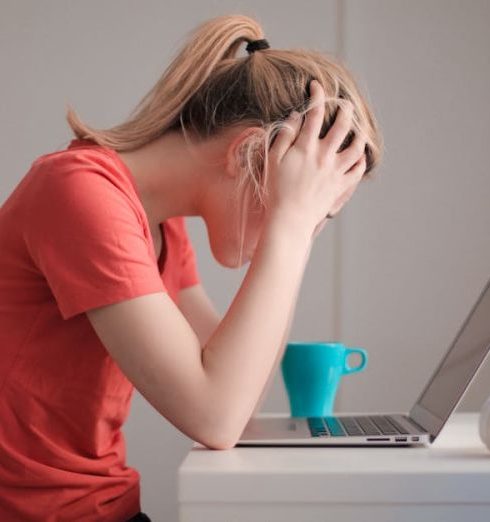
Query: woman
point(99, 290)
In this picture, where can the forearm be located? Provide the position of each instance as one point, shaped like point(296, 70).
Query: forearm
point(279, 357)
point(241, 353)
point(285, 340)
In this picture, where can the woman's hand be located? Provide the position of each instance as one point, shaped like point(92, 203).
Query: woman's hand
point(308, 178)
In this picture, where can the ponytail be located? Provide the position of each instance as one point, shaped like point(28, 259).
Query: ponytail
point(210, 43)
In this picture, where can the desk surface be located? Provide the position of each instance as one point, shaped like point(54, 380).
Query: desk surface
point(456, 468)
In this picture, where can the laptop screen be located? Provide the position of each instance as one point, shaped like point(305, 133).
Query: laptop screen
point(461, 361)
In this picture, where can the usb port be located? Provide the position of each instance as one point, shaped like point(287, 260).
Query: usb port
point(400, 439)
point(415, 439)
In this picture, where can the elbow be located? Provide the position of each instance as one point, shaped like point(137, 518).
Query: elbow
point(222, 435)
point(220, 444)
point(220, 439)
point(223, 420)
point(216, 441)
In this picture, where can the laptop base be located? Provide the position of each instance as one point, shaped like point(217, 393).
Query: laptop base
point(331, 431)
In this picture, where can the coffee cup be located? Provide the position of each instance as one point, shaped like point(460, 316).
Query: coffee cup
point(311, 373)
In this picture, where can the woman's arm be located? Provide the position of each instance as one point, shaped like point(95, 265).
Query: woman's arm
point(277, 361)
point(241, 353)
point(209, 394)
point(285, 338)
point(198, 309)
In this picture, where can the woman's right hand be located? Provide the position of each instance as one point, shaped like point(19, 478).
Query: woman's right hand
point(307, 176)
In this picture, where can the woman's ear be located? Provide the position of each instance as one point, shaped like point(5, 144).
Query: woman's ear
point(235, 158)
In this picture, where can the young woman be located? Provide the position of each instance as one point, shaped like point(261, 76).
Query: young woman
point(99, 290)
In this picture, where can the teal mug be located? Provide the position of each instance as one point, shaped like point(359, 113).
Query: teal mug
point(312, 373)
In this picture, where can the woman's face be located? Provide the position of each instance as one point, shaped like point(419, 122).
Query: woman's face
point(231, 212)
point(233, 215)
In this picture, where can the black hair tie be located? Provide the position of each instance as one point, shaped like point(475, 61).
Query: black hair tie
point(257, 45)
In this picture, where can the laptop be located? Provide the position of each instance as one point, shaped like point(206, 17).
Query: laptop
point(420, 426)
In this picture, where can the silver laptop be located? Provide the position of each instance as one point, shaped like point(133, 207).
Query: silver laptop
point(422, 425)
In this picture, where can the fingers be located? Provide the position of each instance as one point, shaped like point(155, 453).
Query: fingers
point(352, 154)
point(286, 136)
point(339, 130)
point(354, 175)
point(314, 117)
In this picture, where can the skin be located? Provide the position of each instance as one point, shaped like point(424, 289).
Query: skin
point(225, 364)
point(173, 182)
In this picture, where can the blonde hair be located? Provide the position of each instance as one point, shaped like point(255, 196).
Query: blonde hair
point(208, 88)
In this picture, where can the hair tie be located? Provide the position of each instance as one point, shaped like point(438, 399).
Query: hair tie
point(257, 45)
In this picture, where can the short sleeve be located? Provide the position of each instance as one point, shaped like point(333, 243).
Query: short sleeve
point(189, 271)
point(87, 239)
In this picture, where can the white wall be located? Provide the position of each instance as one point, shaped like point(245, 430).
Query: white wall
point(416, 242)
point(408, 255)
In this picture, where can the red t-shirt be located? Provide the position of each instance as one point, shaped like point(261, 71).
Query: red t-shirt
point(73, 236)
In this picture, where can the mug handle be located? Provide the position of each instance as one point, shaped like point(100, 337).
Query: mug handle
point(362, 353)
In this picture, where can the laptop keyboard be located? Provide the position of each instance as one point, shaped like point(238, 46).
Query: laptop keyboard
point(364, 425)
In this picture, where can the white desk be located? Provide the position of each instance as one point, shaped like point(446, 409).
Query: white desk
point(449, 481)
